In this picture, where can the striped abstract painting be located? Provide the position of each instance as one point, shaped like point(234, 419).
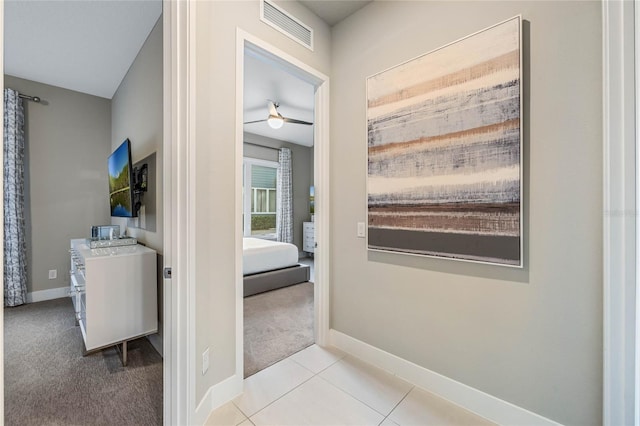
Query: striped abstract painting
point(444, 147)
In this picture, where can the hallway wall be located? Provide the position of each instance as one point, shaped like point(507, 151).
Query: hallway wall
point(531, 336)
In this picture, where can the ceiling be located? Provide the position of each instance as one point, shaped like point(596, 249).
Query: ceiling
point(264, 81)
point(333, 12)
point(86, 46)
point(89, 45)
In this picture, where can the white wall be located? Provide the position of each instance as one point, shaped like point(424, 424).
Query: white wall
point(66, 188)
point(215, 154)
point(301, 170)
point(532, 337)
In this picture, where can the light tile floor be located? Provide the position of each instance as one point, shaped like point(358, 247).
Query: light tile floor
point(324, 386)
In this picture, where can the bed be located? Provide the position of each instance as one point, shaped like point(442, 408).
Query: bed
point(268, 265)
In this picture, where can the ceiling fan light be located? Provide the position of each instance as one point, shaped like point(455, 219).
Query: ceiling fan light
point(275, 122)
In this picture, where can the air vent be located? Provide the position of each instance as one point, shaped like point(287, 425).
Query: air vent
point(282, 21)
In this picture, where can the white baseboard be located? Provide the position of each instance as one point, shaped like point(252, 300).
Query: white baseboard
point(216, 396)
point(474, 400)
point(52, 293)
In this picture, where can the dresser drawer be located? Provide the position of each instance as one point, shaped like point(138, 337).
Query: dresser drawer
point(308, 237)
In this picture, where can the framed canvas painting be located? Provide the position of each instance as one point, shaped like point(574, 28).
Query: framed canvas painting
point(444, 151)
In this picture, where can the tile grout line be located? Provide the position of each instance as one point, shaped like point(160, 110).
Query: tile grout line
point(399, 402)
point(246, 420)
point(241, 412)
point(240, 409)
point(327, 367)
point(314, 374)
point(281, 396)
point(364, 403)
point(354, 397)
point(289, 358)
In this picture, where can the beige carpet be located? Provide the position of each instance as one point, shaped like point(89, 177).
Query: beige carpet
point(277, 324)
point(48, 382)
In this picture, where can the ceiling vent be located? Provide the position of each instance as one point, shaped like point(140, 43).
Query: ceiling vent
point(282, 21)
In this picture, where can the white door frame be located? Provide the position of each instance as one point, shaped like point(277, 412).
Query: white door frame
point(620, 231)
point(179, 224)
point(636, 343)
point(321, 181)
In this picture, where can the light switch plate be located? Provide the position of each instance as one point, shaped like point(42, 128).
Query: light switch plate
point(361, 230)
point(53, 274)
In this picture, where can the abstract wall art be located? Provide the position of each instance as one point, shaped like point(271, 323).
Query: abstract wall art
point(445, 151)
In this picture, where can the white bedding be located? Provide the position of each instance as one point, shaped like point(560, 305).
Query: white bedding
point(264, 255)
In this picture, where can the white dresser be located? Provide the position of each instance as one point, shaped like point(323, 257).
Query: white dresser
point(114, 292)
point(308, 237)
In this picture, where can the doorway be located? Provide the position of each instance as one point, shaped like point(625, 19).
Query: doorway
point(278, 235)
point(250, 50)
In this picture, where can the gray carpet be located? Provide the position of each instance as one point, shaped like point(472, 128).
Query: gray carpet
point(277, 324)
point(49, 382)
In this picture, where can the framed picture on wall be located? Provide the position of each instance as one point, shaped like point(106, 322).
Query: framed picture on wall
point(444, 151)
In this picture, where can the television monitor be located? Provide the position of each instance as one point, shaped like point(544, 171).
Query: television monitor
point(120, 188)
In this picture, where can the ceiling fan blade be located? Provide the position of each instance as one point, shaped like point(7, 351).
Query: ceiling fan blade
point(256, 121)
point(294, 121)
point(273, 108)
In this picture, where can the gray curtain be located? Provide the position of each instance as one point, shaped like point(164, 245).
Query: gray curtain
point(284, 198)
point(15, 253)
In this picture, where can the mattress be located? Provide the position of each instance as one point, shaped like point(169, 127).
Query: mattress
point(264, 255)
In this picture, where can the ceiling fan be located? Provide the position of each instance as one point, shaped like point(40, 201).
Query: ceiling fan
point(275, 119)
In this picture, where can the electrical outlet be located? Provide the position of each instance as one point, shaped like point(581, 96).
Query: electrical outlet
point(361, 230)
point(205, 361)
point(53, 274)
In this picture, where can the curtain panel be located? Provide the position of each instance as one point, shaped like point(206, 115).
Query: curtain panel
point(284, 198)
point(15, 253)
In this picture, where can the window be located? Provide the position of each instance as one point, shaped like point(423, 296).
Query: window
point(259, 198)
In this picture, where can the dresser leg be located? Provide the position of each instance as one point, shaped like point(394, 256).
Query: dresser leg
point(124, 353)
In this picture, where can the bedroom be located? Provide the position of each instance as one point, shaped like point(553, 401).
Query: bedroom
point(278, 176)
point(69, 135)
